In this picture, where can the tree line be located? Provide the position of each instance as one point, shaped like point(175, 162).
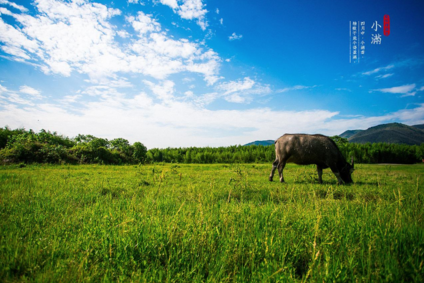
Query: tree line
point(22, 146)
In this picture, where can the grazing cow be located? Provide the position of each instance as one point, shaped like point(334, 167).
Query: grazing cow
point(311, 149)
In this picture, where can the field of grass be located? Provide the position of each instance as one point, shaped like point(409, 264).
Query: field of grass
point(210, 223)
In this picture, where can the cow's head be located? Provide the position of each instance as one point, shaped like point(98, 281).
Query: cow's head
point(346, 172)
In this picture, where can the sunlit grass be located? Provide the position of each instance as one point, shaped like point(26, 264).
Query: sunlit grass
point(215, 223)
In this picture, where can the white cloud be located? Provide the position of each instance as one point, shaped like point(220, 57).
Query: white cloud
point(409, 94)
point(189, 10)
point(15, 98)
point(236, 86)
point(70, 98)
point(384, 76)
point(397, 89)
point(296, 87)
point(377, 70)
point(189, 94)
point(221, 21)
point(144, 23)
point(31, 91)
point(421, 88)
point(217, 11)
point(235, 98)
point(14, 5)
point(410, 62)
point(15, 42)
point(2, 89)
point(171, 3)
point(139, 118)
point(77, 36)
point(234, 36)
point(123, 33)
point(241, 91)
point(188, 79)
point(193, 9)
point(163, 91)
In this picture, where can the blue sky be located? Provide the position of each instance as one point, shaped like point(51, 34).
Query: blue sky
point(173, 73)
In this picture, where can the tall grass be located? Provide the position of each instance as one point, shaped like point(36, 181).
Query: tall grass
point(210, 223)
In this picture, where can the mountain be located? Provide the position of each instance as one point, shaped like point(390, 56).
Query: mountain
point(390, 133)
point(349, 133)
point(267, 142)
point(421, 127)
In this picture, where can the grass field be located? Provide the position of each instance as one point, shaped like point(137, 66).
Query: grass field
point(212, 223)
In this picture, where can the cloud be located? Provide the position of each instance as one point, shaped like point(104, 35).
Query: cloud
point(377, 70)
point(397, 89)
point(139, 118)
point(236, 86)
point(411, 62)
point(77, 36)
point(12, 97)
point(143, 23)
point(221, 21)
point(70, 98)
point(163, 91)
point(193, 9)
point(296, 87)
point(409, 94)
point(189, 10)
point(171, 3)
point(31, 91)
point(234, 36)
point(217, 11)
point(3, 89)
point(384, 76)
point(189, 94)
point(241, 91)
point(205, 99)
point(181, 123)
point(14, 5)
point(123, 33)
point(15, 98)
point(343, 89)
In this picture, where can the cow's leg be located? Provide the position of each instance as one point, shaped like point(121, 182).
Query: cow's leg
point(274, 166)
point(319, 169)
point(337, 174)
point(281, 166)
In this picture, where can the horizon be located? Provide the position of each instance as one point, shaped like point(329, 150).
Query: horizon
point(196, 73)
point(249, 143)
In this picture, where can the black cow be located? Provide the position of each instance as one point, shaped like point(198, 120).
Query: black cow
point(311, 149)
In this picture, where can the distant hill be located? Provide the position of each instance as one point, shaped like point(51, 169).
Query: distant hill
point(267, 142)
point(349, 133)
point(390, 133)
point(387, 133)
point(421, 127)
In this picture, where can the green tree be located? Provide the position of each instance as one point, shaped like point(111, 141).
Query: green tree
point(140, 152)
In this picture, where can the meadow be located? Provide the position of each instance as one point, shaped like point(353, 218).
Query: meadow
point(210, 223)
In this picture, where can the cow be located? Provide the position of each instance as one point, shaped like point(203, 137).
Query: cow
point(305, 149)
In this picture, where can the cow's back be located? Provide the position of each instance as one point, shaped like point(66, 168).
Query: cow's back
point(307, 149)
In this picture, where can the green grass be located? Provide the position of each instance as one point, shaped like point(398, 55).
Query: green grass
point(211, 223)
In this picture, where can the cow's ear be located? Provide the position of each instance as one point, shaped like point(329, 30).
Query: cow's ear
point(352, 163)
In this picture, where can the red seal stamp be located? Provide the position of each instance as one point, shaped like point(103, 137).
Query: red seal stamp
point(386, 27)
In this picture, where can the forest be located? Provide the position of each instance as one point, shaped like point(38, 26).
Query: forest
point(20, 146)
